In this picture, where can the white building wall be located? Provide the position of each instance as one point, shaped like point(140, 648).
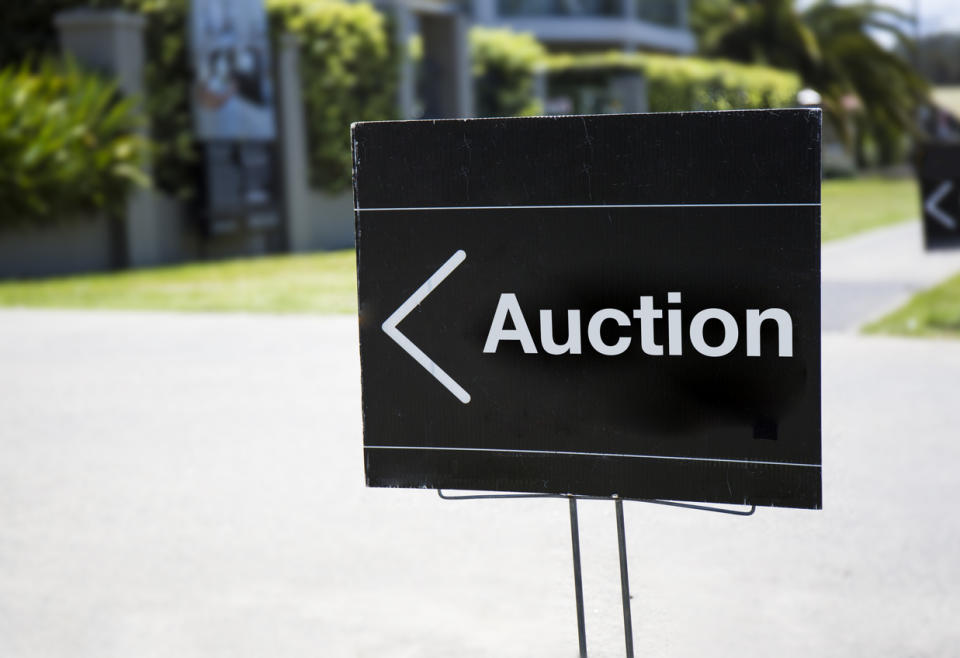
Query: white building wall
point(626, 30)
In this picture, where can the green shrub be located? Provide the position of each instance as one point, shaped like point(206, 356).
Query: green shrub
point(68, 144)
point(176, 156)
point(348, 71)
point(27, 30)
point(685, 83)
point(167, 78)
point(504, 66)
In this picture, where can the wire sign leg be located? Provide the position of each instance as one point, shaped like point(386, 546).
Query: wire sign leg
point(577, 579)
point(624, 580)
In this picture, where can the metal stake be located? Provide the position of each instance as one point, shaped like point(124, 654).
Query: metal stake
point(577, 579)
point(622, 545)
point(624, 580)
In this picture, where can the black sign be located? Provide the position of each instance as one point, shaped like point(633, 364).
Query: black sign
point(240, 191)
point(593, 305)
point(940, 193)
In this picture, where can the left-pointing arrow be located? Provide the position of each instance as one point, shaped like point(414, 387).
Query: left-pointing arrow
point(390, 326)
point(935, 210)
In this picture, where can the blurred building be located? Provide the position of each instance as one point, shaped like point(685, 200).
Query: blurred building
point(659, 25)
point(442, 87)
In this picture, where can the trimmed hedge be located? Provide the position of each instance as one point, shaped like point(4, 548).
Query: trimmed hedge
point(27, 30)
point(68, 144)
point(676, 84)
point(349, 73)
point(504, 66)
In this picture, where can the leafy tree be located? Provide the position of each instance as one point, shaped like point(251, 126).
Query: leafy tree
point(832, 48)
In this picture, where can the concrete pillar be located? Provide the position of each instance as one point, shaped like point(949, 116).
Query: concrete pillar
point(630, 14)
point(683, 13)
point(405, 27)
point(111, 42)
point(541, 87)
point(465, 98)
point(446, 59)
point(632, 89)
point(485, 11)
point(295, 169)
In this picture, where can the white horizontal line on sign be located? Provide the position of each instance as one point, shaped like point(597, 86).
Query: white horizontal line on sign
point(591, 454)
point(605, 205)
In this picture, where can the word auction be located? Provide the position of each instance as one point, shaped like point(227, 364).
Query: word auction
point(509, 308)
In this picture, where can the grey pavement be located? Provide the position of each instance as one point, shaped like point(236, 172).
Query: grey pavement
point(192, 486)
point(874, 272)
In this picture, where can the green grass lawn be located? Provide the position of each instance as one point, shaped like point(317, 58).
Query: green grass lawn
point(854, 205)
point(325, 282)
point(934, 312)
point(313, 283)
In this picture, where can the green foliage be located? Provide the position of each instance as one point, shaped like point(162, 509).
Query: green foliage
point(932, 313)
point(684, 83)
point(348, 69)
point(504, 65)
point(68, 144)
point(176, 156)
point(27, 29)
point(324, 282)
point(853, 205)
point(167, 76)
point(349, 73)
point(832, 47)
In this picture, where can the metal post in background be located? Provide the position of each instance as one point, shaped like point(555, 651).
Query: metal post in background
point(577, 578)
point(624, 580)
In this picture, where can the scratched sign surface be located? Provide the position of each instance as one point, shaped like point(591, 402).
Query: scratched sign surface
point(600, 305)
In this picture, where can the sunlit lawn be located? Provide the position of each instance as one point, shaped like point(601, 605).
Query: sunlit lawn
point(934, 312)
point(326, 283)
point(854, 205)
point(313, 283)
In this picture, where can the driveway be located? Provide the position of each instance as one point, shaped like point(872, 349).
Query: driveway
point(188, 485)
point(192, 486)
point(867, 275)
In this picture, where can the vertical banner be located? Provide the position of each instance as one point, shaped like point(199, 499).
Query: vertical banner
point(234, 114)
point(233, 87)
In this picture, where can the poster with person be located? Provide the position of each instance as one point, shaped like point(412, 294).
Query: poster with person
point(233, 87)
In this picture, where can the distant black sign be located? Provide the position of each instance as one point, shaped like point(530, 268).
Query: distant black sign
point(593, 305)
point(240, 190)
point(940, 192)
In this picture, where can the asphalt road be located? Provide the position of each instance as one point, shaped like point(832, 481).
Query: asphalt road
point(192, 486)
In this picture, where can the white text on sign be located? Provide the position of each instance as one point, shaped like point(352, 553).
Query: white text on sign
point(646, 316)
